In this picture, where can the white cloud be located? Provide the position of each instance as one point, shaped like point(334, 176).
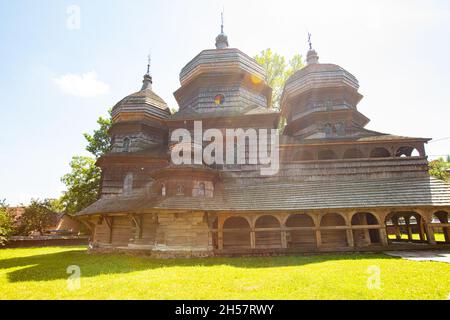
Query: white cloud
point(81, 85)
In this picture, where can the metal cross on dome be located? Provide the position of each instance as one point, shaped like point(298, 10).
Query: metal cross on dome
point(149, 60)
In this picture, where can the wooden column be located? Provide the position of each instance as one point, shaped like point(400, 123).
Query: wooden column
point(220, 221)
point(283, 239)
point(350, 240)
point(252, 238)
point(430, 234)
point(383, 237)
point(318, 238)
point(109, 221)
point(396, 228)
point(408, 228)
point(421, 228)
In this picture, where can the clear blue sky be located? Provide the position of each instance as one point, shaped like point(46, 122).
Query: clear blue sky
point(56, 81)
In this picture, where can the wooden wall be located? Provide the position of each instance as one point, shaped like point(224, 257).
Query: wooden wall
point(121, 231)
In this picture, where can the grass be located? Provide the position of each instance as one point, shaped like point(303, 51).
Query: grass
point(40, 273)
point(415, 236)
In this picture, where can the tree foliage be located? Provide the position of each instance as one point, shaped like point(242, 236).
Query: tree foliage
point(439, 169)
point(6, 223)
point(278, 71)
point(83, 184)
point(99, 142)
point(38, 216)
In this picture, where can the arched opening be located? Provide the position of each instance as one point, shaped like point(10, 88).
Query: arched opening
point(303, 156)
point(405, 227)
point(201, 189)
point(304, 238)
point(441, 228)
point(353, 153)
point(128, 184)
point(163, 190)
point(326, 155)
point(407, 152)
point(180, 190)
point(328, 129)
point(363, 232)
point(332, 235)
point(339, 129)
point(267, 238)
point(126, 145)
point(380, 152)
point(236, 233)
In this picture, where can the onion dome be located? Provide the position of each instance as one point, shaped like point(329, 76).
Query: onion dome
point(317, 96)
point(138, 120)
point(221, 80)
point(222, 39)
point(141, 104)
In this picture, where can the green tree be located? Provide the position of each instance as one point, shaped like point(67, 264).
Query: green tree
point(83, 182)
point(38, 216)
point(438, 169)
point(83, 185)
point(99, 142)
point(6, 223)
point(278, 71)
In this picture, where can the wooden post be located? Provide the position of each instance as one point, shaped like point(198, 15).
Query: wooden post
point(430, 234)
point(396, 228)
point(421, 228)
point(383, 237)
point(350, 241)
point(283, 239)
point(318, 238)
point(408, 228)
point(220, 222)
point(109, 221)
point(252, 238)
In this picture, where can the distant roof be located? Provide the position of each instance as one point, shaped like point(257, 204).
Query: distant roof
point(271, 196)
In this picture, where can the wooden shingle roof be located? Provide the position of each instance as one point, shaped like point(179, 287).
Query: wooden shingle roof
point(278, 196)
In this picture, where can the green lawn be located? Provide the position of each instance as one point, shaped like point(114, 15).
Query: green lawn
point(415, 236)
point(40, 273)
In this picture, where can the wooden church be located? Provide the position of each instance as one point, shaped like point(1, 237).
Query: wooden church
point(339, 187)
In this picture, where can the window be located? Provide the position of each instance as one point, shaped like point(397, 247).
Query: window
point(180, 189)
point(126, 145)
point(328, 130)
point(128, 184)
point(219, 99)
point(340, 129)
point(163, 190)
point(201, 189)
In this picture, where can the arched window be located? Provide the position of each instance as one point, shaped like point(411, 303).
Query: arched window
point(163, 190)
point(407, 152)
point(328, 130)
point(326, 155)
point(340, 129)
point(126, 145)
point(201, 189)
point(128, 184)
point(380, 152)
point(303, 156)
point(353, 153)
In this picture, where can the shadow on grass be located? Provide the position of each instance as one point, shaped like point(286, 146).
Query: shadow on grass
point(53, 266)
